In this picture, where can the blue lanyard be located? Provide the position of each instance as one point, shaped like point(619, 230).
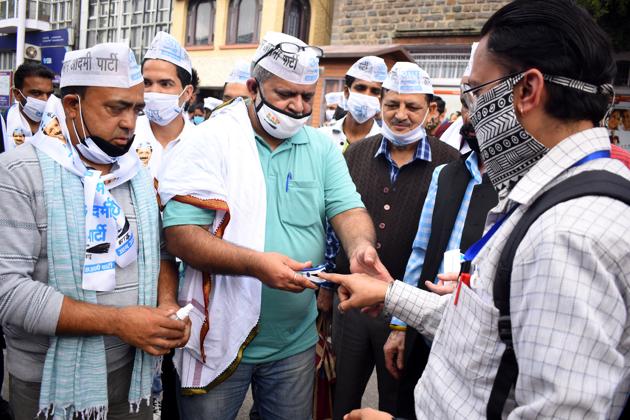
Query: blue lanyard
point(474, 250)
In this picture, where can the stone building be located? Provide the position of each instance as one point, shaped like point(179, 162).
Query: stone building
point(437, 33)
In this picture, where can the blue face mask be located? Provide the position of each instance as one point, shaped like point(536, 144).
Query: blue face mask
point(198, 119)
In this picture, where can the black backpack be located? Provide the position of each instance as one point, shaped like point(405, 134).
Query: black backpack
point(590, 183)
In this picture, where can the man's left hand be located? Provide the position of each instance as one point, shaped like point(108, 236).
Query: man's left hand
point(364, 259)
point(176, 307)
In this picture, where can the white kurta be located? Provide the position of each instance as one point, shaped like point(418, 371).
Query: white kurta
point(336, 134)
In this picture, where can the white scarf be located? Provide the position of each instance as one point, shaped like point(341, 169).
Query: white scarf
point(144, 137)
point(109, 239)
point(17, 126)
point(217, 167)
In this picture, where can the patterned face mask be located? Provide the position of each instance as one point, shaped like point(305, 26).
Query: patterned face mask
point(507, 149)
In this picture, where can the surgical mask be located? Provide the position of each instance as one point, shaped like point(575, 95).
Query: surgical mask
point(96, 149)
point(162, 108)
point(507, 149)
point(407, 138)
point(34, 108)
point(277, 123)
point(198, 119)
point(362, 107)
point(330, 113)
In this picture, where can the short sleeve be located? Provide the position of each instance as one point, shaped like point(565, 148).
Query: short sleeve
point(177, 214)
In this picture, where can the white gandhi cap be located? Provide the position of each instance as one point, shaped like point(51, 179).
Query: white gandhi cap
point(165, 47)
point(408, 77)
point(301, 67)
point(105, 65)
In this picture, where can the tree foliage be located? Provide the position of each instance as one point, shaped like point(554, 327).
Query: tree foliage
point(614, 17)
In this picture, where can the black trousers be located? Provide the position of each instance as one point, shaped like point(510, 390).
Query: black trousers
point(358, 341)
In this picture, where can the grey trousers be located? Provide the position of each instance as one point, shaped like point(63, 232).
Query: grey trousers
point(358, 341)
point(24, 397)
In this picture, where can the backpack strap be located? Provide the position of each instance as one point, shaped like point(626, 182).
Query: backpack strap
point(590, 183)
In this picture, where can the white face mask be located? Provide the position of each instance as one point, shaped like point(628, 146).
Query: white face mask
point(407, 138)
point(275, 122)
point(34, 108)
point(162, 108)
point(330, 113)
point(362, 107)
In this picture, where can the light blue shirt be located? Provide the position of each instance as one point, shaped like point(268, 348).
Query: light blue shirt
point(421, 241)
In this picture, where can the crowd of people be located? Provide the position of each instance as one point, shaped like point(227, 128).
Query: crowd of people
point(479, 261)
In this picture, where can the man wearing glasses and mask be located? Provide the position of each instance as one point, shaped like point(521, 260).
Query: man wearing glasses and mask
point(541, 332)
point(246, 219)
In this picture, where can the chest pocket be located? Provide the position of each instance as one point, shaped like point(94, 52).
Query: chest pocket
point(300, 203)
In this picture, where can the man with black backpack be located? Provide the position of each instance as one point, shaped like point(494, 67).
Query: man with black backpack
point(539, 327)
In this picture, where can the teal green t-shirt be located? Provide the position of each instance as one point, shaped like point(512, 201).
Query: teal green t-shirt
point(307, 182)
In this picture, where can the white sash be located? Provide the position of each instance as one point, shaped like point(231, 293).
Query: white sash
point(18, 129)
point(109, 239)
point(217, 166)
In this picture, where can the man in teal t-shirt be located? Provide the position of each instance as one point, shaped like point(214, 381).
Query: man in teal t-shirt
point(306, 181)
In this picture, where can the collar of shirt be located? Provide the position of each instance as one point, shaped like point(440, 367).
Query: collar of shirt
point(423, 151)
point(557, 160)
point(472, 164)
point(302, 137)
point(337, 128)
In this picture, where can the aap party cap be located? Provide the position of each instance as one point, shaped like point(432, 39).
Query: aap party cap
point(105, 65)
point(334, 98)
point(301, 67)
point(165, 47)
point(408, 77)
point(240, 73)
point(210, 103)
point(370, 69)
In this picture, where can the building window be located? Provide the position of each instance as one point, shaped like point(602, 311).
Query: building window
point(135, 20)
point(244, 21)
point(297, 18)
point(200, 27)
point(444, 65)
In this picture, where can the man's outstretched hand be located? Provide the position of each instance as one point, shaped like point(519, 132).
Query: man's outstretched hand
point(358, 290)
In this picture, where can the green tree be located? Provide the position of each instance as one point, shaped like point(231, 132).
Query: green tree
point(614, 17)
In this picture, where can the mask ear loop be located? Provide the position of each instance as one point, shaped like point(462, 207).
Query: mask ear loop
point(82, 124)
point(609, 90)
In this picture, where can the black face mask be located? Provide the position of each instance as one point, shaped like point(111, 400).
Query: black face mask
point(107, 147)
point(468, 135)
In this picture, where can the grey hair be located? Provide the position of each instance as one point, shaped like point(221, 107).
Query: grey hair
point(261, 74)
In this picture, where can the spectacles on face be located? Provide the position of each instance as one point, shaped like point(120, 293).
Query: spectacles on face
point(470, 95)
point(290, 48)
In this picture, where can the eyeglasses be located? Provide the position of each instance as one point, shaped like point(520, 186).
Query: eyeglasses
point(469, 94)
point(289, 48)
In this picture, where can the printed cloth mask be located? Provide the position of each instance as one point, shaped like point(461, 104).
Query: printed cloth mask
point(162, 108)
point(508, 151)
point(363, 107)
point(33, 108)
point(277, 123)
point(96, 149)
point(407, 138)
